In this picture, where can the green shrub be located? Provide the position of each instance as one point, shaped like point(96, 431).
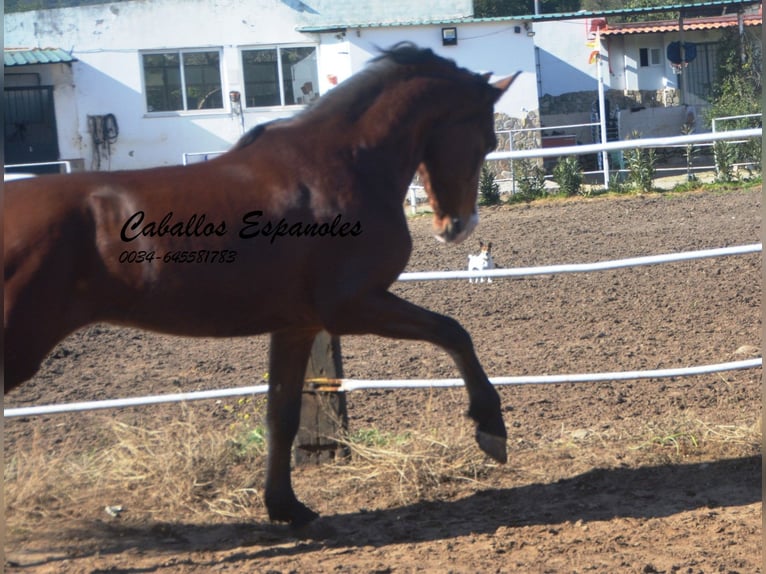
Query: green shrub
point(489, 190)
point(641, 166)
point(568, 175)
point(530, 179)
point(737, 90)
point(725, 157)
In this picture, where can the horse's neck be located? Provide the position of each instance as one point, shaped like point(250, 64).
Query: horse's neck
point(392, 130)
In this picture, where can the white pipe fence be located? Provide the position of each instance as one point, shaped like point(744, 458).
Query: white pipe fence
point(582, 267)
point(716, 121)
point(348, 385)
point(205, 155)
point(65, 162)
point(626, 144)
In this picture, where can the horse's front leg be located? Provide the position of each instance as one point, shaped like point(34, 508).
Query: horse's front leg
point(288, 357)
point(385, 314)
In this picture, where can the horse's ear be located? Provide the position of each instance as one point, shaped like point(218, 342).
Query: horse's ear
point(486, 76)
point(502, 85)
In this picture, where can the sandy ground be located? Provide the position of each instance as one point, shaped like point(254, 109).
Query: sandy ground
point(637, 476)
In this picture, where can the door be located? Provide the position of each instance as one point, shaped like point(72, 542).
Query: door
point(30, 128)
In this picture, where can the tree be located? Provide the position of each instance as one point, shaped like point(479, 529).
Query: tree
point(738, 88)
point(497, 8)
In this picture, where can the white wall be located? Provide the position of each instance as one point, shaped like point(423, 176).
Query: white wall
point(652, 122)
point(107, 77)
point(652, 77)
point(481, 47)
point(563, 52)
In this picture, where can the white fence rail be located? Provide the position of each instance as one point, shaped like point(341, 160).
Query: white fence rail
point(351, 384)
point(64, 162)
point(627, 144)
point(348, 385)
point(583, 267)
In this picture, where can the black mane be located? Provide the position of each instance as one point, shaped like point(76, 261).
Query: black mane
point(351, 98)
point(409, 54)
point(253, 134)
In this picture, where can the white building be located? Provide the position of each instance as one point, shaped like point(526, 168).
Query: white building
point(637, 72)
point(138, 83)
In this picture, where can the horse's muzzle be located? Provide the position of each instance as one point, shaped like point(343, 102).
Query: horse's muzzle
point(456, 229)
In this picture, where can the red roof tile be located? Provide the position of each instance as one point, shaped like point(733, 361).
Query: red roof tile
point(709, 23)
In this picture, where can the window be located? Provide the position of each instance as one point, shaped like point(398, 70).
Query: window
point(183, 80)
point(281, 76)
point(649, 57)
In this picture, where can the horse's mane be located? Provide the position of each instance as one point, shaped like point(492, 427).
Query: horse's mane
point(351, 98)
point(409, 54)
point(253, 134)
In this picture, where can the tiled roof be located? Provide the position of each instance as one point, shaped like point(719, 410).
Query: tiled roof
point(402, 23)
point(709, 23)
point(351, 22)
point(27, 57)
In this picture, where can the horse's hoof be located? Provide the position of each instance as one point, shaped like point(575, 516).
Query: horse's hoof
point(493, 445)
point(296, 514)
point(314, 530)
point(303, 517)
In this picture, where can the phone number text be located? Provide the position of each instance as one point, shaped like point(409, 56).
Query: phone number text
point(201, 256)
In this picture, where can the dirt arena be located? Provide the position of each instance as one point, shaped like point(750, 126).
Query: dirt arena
point(642, 476)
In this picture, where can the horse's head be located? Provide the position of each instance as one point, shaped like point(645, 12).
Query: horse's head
point(454, 154)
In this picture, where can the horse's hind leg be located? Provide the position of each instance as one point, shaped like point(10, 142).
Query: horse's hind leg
point(289, 354)
point(387, 315)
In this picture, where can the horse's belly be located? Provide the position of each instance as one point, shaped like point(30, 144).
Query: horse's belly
point(218, 309)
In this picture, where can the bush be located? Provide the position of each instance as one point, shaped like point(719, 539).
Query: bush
point(530, 179)
point(725, 157)
point(489, 190)
point(568, 175)
point(737, 91)
point(640, 164)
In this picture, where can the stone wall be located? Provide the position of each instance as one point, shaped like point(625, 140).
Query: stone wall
point(577, 102)
point(504, 125)
point(521, 140)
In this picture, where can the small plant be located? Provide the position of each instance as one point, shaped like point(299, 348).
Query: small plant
point(376, 438)
point(724, 161)
point(489, 190)
point(568, 175)
point(248, 429)
point(617, 183)
point(531, 180)
point(751, 152)
point(690, 151)
point(640, 164)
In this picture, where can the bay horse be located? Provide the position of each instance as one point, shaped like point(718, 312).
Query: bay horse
point(299, 227)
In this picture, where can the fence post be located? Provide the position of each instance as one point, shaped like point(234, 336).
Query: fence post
point(323, 408)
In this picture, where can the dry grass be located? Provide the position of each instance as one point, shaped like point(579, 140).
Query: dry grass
point(417, 463)
point(184, 471)
point(177, 470)
point(684, 436)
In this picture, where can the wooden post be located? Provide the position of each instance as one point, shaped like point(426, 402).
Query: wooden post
point(323, 408)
